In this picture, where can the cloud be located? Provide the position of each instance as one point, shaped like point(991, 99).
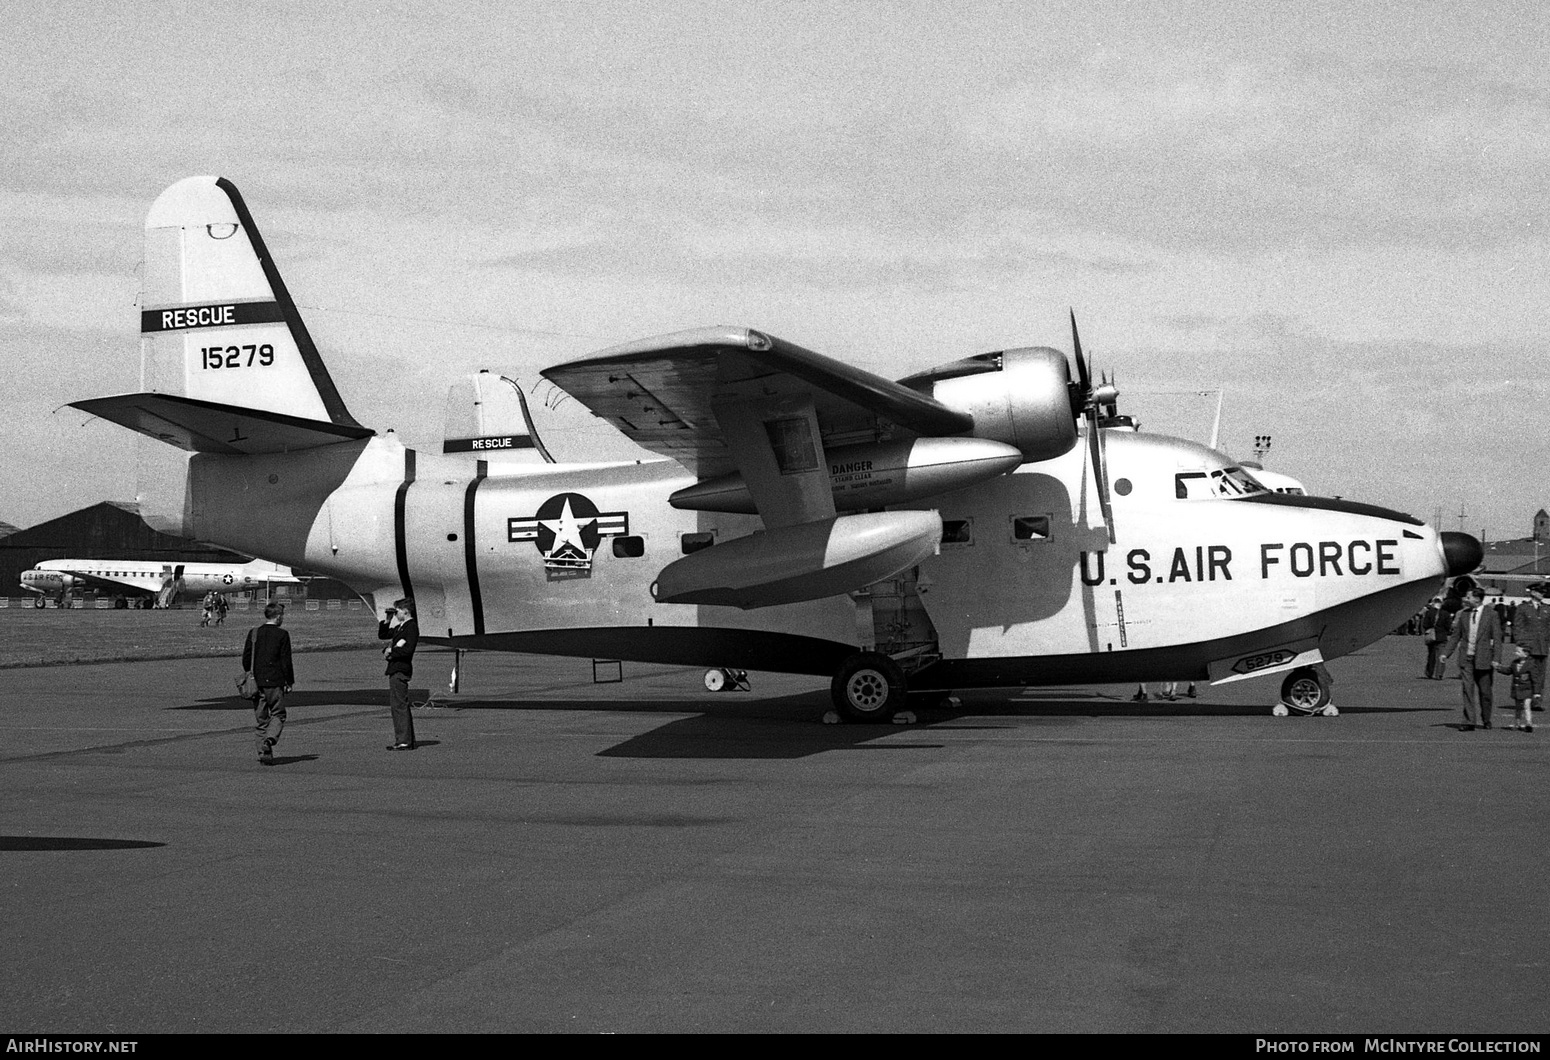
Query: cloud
point(1193, 152)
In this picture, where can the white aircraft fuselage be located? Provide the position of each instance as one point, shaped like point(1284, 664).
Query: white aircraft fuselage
point(1189, 584)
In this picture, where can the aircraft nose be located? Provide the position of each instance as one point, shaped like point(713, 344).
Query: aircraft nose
point(1461, 552)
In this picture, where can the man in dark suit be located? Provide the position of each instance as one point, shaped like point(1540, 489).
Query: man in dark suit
point(1433, 636)
point(1477, 639)
point(1531, 628)
point(402, 633)
point(267, 655)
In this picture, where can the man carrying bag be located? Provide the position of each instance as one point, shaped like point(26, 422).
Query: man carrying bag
point(266, 658)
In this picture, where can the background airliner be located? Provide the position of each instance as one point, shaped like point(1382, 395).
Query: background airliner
point(152, 578)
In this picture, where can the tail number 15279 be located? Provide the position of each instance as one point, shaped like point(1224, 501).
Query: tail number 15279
point(237, 356)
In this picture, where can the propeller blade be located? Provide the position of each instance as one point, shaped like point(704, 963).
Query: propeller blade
point(1084, 378)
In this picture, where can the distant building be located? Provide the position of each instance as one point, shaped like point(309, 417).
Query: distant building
point(1541, 526)
point(114, 530)
point(6, 529)
point(1514, 557)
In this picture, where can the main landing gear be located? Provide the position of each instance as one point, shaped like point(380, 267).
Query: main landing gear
point(1307, 690)
point(868, 687)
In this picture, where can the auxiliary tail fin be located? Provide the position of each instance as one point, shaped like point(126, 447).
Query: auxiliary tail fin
point(487, 415)
point(227, 363)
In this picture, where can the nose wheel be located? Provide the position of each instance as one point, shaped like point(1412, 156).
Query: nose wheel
point(1306, 690)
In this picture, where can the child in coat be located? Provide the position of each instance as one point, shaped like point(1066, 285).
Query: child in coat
point(1522, 687)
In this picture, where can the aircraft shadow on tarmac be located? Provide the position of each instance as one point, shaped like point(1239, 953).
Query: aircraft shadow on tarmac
point(787, 727)
point(55, 842)
point(354, 697)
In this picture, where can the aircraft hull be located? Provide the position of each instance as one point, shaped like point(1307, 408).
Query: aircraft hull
point(1331, 631)
point(1366, 619)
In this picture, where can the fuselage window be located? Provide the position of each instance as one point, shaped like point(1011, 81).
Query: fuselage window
point(957, 531)
point(1030, 528)
point(697, 541)
point(631, 547)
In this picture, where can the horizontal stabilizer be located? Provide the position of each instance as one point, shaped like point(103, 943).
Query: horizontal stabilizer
point(207, 427)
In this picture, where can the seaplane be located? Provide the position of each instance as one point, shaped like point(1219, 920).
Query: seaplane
point(971, 526)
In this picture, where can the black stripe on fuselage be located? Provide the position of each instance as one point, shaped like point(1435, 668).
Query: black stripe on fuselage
point(309, 351)
point(747, 649)
point(470, 555)
point(400, 535)
point(1332, 504)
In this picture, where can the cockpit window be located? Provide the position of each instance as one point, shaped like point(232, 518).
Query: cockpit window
point(1215, 485)
point(1189, 485)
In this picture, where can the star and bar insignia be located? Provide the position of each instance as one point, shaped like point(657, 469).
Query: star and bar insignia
point(567, 530)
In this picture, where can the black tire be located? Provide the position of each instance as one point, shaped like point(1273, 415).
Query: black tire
point(868, 687)
point(1305, 690)
point(38, 601)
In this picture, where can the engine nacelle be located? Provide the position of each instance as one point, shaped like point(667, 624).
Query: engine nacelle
point(1021, 397)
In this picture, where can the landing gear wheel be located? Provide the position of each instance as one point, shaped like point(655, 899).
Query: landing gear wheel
point(725, 679)
point(869, 687)
point(1306, 691)
point(38, 601)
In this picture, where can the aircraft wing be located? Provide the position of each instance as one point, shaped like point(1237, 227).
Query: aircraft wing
point(97, 581)
point(664, 393)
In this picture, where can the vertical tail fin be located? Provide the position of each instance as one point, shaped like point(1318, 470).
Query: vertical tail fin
point(488, 415)
point(217, 323)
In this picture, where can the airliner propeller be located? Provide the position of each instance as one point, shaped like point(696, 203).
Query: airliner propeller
point(1105, 396)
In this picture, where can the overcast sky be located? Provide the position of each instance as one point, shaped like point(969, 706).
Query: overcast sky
point(1335, 212)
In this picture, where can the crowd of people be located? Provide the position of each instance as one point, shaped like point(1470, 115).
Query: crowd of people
point(1512, 639)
